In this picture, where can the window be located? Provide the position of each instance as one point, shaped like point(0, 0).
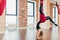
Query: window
point(55, 14)
point(11, 11)
point(31, 11)
point(11, 7)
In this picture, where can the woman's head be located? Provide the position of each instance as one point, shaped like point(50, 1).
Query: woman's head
point(41, 33)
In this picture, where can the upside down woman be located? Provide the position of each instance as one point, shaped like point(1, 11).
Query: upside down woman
point(43, 18)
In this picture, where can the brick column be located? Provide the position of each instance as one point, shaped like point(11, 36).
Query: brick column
point(22, 13)
point(22, 18)
point(58, 19)
point(48, 12)
point(37, 11)
point(51, 13)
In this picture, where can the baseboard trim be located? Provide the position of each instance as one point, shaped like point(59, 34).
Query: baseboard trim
point(26, 27)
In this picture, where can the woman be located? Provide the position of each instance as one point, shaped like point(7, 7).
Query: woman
point(43, 18)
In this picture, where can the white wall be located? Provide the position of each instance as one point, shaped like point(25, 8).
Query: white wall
point(2, 23)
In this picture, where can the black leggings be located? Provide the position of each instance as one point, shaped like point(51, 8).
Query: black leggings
point(37, 27)
point(47, 18)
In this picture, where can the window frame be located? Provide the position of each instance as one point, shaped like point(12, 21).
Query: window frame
point(55, 14)
point(12, 14)
point(33, 11)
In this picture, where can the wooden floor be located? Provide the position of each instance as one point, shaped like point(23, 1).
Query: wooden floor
point(29, 34)
point(1, 36)
point(48, 34)
point(51, 34)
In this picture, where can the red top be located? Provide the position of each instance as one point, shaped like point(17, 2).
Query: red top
point(2, 6)
point(42, 18)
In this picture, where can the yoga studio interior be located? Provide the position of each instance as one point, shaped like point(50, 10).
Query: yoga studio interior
point(19, 18)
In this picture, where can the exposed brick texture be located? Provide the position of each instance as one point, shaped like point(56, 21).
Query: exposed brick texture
point(51, 12)
point(22, 13)
point(37, 11)
point(59, 20)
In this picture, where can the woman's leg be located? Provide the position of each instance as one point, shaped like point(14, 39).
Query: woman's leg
point(41, 9)
point(51, 20)
point(37, 27)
